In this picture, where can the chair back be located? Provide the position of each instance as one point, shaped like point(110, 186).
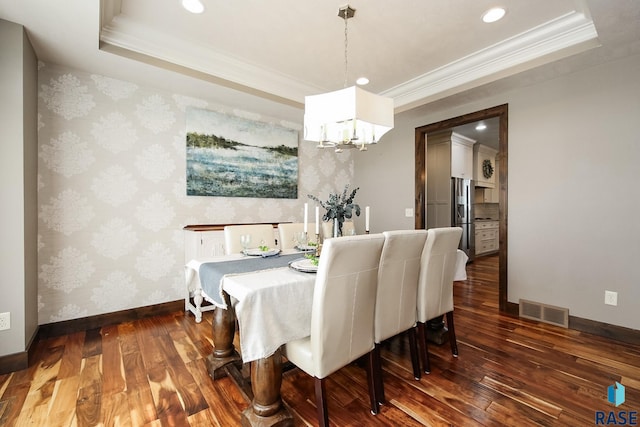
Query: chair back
point(344, 302)
point(348, 229)
point(261, 234)
point(398, 282)
point(287, 233)
point(437, 268)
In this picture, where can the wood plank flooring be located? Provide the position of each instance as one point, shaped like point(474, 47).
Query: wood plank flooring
point(151, 372)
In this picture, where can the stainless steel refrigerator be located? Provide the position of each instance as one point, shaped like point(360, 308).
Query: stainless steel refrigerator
point(462, 213)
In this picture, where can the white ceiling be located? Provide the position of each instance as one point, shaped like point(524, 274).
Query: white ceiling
point(414, 51)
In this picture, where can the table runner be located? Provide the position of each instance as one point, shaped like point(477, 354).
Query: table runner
point(211, 273)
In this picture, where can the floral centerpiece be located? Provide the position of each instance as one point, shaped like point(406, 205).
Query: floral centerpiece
point(339, 206)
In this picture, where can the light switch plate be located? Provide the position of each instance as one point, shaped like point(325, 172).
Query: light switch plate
point(408, 212)
point(5, 321)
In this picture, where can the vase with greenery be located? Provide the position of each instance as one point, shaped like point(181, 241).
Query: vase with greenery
point(339, 206)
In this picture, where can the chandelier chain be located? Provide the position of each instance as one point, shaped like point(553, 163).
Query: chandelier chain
point(346, 44)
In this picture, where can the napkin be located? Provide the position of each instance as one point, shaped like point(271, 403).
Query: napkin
point(270, 252)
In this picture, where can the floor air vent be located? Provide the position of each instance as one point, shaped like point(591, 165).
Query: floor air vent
point(544, 313)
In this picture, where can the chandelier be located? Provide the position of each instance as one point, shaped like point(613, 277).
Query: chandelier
point(350, 117)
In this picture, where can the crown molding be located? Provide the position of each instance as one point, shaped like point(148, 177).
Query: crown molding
point(564, 36)
point(127, 38)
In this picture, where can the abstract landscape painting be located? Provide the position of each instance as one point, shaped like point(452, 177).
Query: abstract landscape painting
point(235, 157)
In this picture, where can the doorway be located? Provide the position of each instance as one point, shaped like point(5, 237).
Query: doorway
point(501, 112)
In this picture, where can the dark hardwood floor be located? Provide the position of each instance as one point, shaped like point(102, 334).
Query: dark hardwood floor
point(152, 372)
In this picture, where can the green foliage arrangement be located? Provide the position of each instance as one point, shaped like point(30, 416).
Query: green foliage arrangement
point(487, 168)
point(339, 206)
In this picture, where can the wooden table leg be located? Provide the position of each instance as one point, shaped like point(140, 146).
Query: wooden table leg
point(223, 331)
point(266, 407)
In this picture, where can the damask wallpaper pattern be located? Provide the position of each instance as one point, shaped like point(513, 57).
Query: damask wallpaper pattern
point(112, 192)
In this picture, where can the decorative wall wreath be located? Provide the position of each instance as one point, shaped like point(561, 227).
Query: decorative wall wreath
point(487, 168)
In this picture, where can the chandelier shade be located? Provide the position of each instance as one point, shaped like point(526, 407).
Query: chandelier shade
point(347, 117)
point(350, 117)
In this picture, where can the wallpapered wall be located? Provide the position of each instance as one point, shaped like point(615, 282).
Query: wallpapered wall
point(112, 192)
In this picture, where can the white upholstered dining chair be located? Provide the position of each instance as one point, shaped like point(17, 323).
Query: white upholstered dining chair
point(396, 295)
point(342, 314)
point(261, 234)
point(435, 286)
point(287, 233)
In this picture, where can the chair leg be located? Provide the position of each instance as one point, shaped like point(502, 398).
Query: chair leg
point(321, 403)
point(377, 375)
point(371, 381)
point(424, 351)
point(452, 334)
point(413, 350)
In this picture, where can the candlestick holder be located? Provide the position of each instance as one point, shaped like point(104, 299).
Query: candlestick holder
point(366, 232)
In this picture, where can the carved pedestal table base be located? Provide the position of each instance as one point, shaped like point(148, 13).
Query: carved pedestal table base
point(266, 407)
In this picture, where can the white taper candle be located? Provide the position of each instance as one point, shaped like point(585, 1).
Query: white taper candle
point(366, 218)
point(306, 216)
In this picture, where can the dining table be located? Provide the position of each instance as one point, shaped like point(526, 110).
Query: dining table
point(271, 303)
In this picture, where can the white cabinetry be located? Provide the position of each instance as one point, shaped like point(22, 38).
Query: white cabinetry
point(202, 242)
point(486, 236)
point(461, 156)
point(489, 195)
point(438, 186)
point(484, 166)
point(448, 155)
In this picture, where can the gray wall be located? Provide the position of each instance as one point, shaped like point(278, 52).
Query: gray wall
point(573, 191)
point(18, 187)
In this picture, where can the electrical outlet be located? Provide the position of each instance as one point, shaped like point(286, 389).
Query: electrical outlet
point(5, 321)
point(408, 212)
point(610, 298)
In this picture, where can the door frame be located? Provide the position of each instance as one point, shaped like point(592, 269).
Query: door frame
point(501, 111)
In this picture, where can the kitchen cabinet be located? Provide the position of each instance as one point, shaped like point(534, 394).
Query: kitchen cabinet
point(486, 194)
point(448, 155)
point(484, 166)
point(461, 156)
point(486, 237)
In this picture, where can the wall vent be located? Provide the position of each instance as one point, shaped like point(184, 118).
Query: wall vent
point(558, 316)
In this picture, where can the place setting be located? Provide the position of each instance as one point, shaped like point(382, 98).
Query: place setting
point(302, 242)
point(308, 264)
point(262, 250)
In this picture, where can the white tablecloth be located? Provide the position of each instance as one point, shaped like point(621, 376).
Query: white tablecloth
point(461, 266)
point(192, 275)
point(273, 307)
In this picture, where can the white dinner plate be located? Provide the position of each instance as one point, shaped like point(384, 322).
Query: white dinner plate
point(303, 264)
point(306, 248)
point(260, 252)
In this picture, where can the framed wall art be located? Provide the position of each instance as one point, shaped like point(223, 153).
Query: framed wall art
point(235, 157)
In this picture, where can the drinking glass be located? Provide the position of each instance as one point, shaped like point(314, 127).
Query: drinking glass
point(301, 237)
point(245, 241)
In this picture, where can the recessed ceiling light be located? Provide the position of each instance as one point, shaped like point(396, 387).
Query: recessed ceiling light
point(193, 6)
point(481, 126)
point(362, 81)
point(493, 15)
